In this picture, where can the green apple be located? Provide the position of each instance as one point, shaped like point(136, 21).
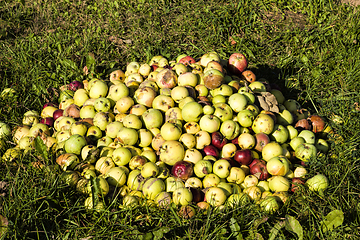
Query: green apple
point(209, 123)
point(279, 183)
point(192, 111)
point(237, 102)
point(278, 166)
point(152, 187)
point(202, 168)
point(116, 176)
point(222, 168)
point(182, 196)
point(171, 152)
point(215, 196)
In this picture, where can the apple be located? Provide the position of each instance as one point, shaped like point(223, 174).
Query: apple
point(135, 181)
point(182, 170)
point(253, 192)
point(284, 118)
point(249, 76)
point(237, 200)
point(236, 175)
point(202, 168)
point(152, 187)
point(210, 180)
point(172, 183)
point(230, 129)
point(261, 140)
point(228, 150)
point(270, 150)
point(209, 123)
point(278, 166)
point(308, 136)
point(193, 182)
point(215, 196)
point(137, 162)
point(132, 67)
point(295, 142)
point(259, 169)
point(279, 183)
point(116, 176)
point(218, 140)
point(188, 79)
point(221, 168)
point(321, 145)
point(243, 156)
point(98, 88)
point(203, 139)
point(152, 118)
point(237, 63)
point(144, 96)
point(186, 60)
point(223, 111)
point(223, 90)
point(263, 123)
point(305, 152)
point(182, 196)
point(178, 93)
point(166, 78)
point(127, 136)
point(318, 183)
point(237, 102)
point(149, 169)
point(104, 164)
point(124, 104)
point(246, 141)
point(163, 199)
point(318, 123)
point(269, 205)
point(208, 57)
point(245, 118)
point(171, 152)
point(188, 140)
point(191, 112)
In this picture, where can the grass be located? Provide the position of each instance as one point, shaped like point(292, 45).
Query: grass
point(309, 48)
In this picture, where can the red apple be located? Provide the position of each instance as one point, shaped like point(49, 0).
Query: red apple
point(218, 140)
point(182, 169)
point(249, 76)
point(243, 156)
point(75, 85)
point(260, 171)
point(261, 140)
point(187, 60)
point(237, 63)
point(256, 160)
point(48, 121)
point(211, 150)
point(57, 113)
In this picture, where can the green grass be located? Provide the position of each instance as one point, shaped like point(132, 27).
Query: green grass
point(310, 48)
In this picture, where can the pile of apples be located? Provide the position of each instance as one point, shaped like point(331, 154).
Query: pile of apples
point(187, 132)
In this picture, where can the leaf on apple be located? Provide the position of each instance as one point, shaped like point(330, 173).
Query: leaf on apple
point(268, 102)
point(332, 220)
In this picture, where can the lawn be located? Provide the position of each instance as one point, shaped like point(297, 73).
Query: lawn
point(309, 48)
